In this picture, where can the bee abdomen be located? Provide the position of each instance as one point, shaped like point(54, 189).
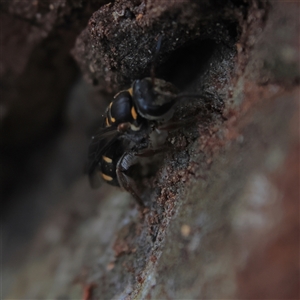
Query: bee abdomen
point(108, 170)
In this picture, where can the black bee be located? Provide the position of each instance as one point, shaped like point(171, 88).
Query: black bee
point(129, 119)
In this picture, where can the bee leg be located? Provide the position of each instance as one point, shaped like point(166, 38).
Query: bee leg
point(151, 152)
point(178, 124)
point(127, 183)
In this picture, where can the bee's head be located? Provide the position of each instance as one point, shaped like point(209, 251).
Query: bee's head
point(154, 102)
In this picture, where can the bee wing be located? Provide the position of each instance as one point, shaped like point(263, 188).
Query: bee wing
point(99, 145)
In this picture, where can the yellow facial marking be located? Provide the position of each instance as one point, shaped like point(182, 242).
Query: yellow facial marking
point(130, 91)
point(106, 177)
point(107, 159)
point(107, 122)
point(133, 113)
point(113, 120)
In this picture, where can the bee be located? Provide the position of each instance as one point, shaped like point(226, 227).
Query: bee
point(128, 121)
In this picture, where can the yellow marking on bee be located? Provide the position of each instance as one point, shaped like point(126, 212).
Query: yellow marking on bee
point(130, 91)
point(107, 122)
point(107, 159)
point(106, 177)
point(133, 113)
point(112, 119)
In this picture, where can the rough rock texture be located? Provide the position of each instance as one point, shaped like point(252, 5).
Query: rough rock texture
point(222, 210)
point(107, 49)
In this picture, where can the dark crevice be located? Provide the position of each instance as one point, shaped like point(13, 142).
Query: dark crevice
point(128, 14)
point(184, 65)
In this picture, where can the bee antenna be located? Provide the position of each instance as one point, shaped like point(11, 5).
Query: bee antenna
point(157, 49)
